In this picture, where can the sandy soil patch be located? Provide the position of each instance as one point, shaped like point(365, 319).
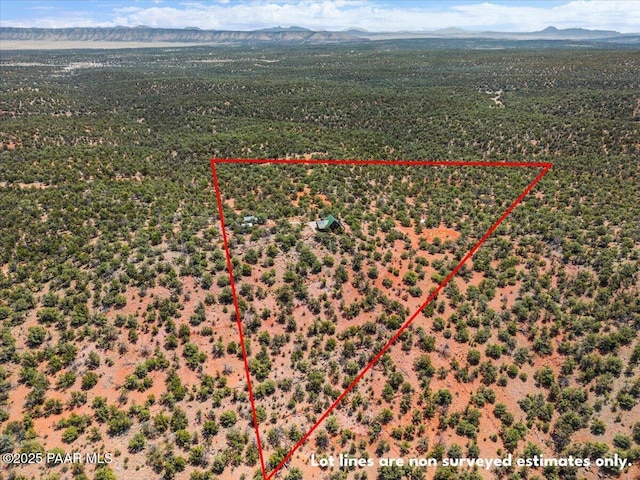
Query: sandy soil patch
point(24, 186)
point(429, 234)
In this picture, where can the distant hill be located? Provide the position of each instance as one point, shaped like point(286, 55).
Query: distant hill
point(576, 33)
point(172, 35)
point(451, 31)
point(549, 33)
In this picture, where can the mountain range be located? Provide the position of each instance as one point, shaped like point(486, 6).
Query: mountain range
point(145, 34)
point(291, 35)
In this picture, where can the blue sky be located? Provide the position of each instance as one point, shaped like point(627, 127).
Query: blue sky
point(372, 15)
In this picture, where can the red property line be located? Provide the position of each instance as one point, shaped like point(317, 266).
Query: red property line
point(238, 321)
point(546, 167)
point(413, 163)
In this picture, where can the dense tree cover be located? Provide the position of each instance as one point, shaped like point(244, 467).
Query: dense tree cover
point(111, 256)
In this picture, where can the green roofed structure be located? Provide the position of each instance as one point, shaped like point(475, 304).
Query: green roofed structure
point(249, 221)
point(329, 224)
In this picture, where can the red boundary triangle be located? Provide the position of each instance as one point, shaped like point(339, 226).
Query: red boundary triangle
point(545, 168)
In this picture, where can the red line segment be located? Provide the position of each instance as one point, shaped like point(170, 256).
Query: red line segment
point(238, 320)
point(443, 163)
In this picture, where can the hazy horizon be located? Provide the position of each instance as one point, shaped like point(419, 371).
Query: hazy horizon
point(371, 15)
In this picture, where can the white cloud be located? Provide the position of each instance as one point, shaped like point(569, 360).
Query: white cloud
point(59, 20)
point(621, 15)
